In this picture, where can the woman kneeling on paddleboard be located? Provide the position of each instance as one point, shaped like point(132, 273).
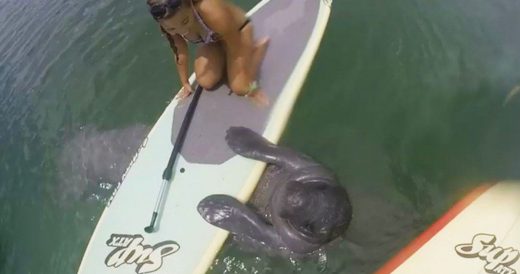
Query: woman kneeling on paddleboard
point(226, 45)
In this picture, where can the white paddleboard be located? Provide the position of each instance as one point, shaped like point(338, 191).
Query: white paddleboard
point(183, 242)
point(480, 234)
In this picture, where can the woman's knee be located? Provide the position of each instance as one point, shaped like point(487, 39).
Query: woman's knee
point(207, 80)
point(239, 85)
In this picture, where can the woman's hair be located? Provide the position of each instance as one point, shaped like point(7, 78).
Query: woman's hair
point(155, 2)
point(183, 3)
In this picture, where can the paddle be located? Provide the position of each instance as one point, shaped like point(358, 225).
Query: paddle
point(167, 174)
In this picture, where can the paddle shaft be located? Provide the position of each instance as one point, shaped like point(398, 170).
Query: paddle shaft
point(168, 171)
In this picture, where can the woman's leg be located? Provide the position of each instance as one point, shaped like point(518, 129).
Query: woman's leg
point(243, 60)
point(209, 65)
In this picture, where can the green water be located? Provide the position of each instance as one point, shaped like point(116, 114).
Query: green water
point(407, 101)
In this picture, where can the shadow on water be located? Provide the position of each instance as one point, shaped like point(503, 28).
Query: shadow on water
point(67, 64)
point(92, 163)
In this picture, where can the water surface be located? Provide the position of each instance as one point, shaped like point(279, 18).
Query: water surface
point(407, 101)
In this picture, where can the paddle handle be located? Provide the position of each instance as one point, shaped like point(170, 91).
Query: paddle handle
point(167, 174)
point(168, 171)
point(151, 227)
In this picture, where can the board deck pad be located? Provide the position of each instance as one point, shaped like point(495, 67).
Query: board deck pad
point(480, 234)
point(289, 28)
point(183, 242)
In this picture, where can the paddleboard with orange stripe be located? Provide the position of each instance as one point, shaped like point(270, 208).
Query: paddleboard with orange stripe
point(479, 234)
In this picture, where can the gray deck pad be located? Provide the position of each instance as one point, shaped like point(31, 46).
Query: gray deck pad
point(217, 110)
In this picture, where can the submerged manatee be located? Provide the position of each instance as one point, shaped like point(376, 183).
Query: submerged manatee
point(93, 158)
point(307, 208)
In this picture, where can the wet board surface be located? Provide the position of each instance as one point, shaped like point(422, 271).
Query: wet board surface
point(183, 242)
point(480, 234)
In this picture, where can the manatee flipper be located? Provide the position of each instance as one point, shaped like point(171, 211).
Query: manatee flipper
point(250, 144)
point(230, 214)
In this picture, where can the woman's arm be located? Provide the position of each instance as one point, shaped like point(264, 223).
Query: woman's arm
point(180, 51)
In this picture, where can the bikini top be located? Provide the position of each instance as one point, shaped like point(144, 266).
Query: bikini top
point(210, 37)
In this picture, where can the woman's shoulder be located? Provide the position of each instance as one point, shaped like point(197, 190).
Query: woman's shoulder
point(206, 2)
point(216, 14)
point(210, 5)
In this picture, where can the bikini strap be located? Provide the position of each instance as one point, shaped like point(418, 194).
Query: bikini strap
point(209, 32)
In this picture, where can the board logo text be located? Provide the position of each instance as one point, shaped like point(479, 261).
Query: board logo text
point(498, 259)
point(129, 249)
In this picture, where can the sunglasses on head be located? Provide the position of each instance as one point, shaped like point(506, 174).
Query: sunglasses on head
point(159, 11)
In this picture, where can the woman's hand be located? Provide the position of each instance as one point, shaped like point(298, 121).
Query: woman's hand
point(185, 91)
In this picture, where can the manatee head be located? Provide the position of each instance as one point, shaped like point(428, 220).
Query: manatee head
point(319, 211)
